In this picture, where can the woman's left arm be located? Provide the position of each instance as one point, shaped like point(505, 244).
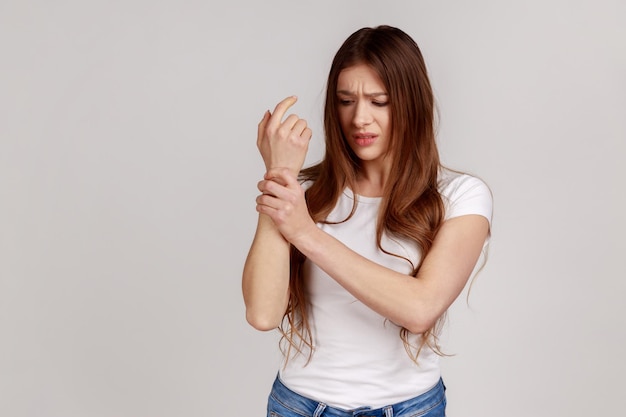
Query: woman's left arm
point(412, 302)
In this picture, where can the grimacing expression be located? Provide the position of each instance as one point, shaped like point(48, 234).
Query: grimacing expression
point(364, 113)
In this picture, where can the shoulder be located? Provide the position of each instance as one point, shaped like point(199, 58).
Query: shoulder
point(464, 194)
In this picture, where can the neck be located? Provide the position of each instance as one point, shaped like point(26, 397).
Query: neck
point(371, 179)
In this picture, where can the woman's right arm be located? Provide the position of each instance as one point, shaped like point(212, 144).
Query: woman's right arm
point(265, 281)
point(266, 277)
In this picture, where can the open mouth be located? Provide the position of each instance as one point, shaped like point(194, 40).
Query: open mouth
point(365, 139)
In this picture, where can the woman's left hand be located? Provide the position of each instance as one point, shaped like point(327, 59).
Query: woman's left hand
point(283, 144)
point(282, 199)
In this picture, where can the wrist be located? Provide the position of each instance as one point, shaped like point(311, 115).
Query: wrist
point(305, 239)
point(295, 171)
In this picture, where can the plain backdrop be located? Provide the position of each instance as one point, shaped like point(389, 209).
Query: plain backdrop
point(128, 173)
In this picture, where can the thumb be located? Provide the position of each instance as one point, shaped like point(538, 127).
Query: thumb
point(261, 128)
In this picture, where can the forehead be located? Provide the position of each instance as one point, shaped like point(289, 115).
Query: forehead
point(360, 77)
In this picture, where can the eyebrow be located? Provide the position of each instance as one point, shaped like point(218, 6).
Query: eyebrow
point(350, 93)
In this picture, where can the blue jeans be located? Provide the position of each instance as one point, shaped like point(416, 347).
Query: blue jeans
point(283, 402)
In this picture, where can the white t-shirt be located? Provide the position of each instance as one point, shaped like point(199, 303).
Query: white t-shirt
point(359, 358)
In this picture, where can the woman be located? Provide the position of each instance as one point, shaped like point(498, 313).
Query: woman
point(358, 270)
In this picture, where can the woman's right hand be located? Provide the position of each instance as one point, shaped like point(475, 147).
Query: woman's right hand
point(283, 144)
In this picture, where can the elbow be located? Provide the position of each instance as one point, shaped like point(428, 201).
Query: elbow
point(262, 323)
point(421, 323)
point(418, 328)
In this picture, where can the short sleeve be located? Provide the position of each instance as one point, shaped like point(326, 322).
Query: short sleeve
point(464, 194)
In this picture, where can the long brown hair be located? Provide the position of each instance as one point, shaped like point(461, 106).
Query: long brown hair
point(411, 206)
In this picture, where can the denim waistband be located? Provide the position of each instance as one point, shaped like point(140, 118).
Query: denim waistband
point(308, 407)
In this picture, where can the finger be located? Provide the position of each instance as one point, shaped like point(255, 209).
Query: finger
point(290, 122)
point(275, 205)
point(282, 176)
point(272, 188)
point(262, 187)
point(267, 201)
point(272, 204)
point(307, 134)
point(299, 127)
point(269, 211)
point(262, 124)
point(278, 181)
point(281, 109)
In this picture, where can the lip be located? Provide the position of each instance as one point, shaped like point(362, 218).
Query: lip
point(364, 139)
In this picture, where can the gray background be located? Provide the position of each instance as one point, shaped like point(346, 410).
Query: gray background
point(128, 174)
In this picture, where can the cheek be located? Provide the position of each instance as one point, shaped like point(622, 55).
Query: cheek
point(385, 121)
point(344, 120)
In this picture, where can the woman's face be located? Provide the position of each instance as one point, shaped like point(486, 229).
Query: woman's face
point(364, 113)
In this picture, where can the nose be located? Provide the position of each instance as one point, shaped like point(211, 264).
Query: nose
point(362, 114)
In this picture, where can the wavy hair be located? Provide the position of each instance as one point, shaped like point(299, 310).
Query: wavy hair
point(411, 206)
